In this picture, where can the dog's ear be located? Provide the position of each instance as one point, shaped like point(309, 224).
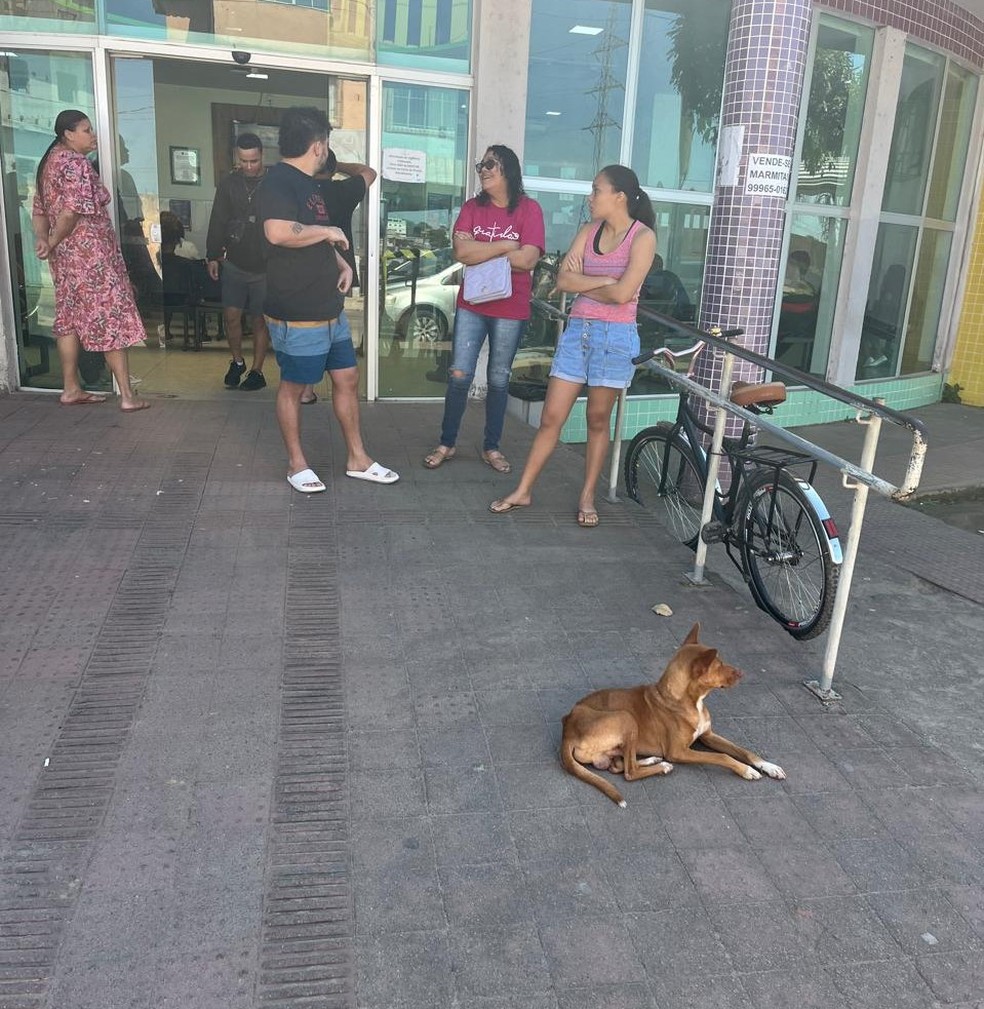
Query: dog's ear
point(691, 638)
point(703, 662)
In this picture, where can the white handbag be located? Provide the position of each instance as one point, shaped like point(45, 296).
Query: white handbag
point(488, 281)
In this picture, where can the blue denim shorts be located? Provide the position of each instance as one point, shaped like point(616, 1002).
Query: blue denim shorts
point(596, 353)
point(306, 350)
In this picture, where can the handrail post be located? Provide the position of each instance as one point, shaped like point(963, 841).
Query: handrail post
point(713, 466)
point(617, 449)
point(823, 688)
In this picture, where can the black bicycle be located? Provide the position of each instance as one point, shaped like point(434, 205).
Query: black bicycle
point(775, 527)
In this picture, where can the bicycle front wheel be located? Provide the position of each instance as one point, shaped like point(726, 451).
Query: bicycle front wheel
point(662, 475)
point(786, 554)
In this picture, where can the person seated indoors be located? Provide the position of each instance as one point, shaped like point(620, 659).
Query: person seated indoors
point(665, 287)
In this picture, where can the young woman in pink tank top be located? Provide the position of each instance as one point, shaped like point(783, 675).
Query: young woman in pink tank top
point(605, 267)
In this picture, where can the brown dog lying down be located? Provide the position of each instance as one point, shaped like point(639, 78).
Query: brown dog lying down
point(639, 730)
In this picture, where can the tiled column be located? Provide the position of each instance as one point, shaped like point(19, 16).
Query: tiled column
point(763, 84)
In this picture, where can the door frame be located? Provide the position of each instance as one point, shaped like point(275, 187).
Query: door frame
point(103, 49)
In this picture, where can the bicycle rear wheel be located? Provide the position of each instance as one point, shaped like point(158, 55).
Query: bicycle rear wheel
point(663, 476)
point(788, 561)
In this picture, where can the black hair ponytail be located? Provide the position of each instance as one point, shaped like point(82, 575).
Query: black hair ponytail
point(67, 120)
point(624, 180)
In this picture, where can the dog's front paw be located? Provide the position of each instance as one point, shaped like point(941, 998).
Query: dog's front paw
point(772, 770)
point(666, 766)
point(750, 774)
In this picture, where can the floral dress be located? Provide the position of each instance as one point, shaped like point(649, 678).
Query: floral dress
point(93, 297)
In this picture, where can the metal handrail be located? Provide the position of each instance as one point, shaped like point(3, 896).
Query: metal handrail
point(859, 478)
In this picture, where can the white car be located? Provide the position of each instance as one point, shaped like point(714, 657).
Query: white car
point(427, 317)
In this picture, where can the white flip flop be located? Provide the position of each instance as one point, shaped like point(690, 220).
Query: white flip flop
point(306, 481)
point(374, 474)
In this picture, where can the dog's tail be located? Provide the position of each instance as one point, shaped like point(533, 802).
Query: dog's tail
point(575, 767)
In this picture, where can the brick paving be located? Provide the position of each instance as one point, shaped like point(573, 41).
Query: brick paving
point(266, 750)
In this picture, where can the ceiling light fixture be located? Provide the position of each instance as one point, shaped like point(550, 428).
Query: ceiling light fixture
point(258, 75)
point(585, 30)
point(551, 113)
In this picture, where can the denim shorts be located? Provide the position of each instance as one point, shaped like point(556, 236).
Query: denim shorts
point(243, 290)
point(596, 353)
point(306, 350)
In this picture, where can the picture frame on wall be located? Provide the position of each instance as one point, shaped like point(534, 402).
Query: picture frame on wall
point(182, 210)
point(186, 166)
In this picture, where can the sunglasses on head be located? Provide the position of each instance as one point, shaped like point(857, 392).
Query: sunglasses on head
point(488, 165)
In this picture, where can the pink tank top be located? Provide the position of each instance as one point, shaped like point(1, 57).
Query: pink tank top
point(609, 264)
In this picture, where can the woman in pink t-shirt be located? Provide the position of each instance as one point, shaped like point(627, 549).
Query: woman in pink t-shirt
point(605, 267)
point(500, 221)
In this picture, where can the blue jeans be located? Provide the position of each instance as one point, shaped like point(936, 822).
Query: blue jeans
point(470, 330)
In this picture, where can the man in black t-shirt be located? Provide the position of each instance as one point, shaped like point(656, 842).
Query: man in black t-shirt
point(236, 240)
point(307, 278)
point(342, 196)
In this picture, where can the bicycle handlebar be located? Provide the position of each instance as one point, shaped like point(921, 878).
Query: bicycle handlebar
point(672, 355)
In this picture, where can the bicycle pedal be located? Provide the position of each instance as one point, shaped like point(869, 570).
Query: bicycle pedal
point(713, 532)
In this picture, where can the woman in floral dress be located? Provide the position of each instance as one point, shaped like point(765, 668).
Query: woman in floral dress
point(94, 303)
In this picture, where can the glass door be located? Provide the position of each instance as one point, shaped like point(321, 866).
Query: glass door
point(425, 142)
point(176, 127)
point(34, 87)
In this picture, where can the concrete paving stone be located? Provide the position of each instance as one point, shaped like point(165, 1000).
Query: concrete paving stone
point(947, 858)
point(623, 996)
point(522, 744)
point(435, 708)
point(454, 744)
point(540, 1000)
point(728, 874)
point(892, 984)
point(700, 821)
point(561, 833)
point(100, 981)
point(647, 880)
point(473, 839)
point(263, 650)
point(963, 808)
point(388, 700)
point(929, 765)
point(374, 647)
point(775, 736)
point(924, 921)
point(703, 991)
point(373, 751)
point(404, 971)
point(888, 731)
point(553, 673)
point(533, 786)
point(603, 673)
point(969, 901)
point(390, 792)
point(871, 768)
point(880, 864)
point(838, 815)
point(509, 706)
point(784, 937)
point(211, 976)
point(505, 961)
point(591, 950)
point(912, 810)
point(404, 899)
point(462, 787)
point(491, 895)
point(805, 988)
point(556, 701)
point(805, 869)
point(769, 818)
point(568, 888)
point(833, 731)
point(809, 772)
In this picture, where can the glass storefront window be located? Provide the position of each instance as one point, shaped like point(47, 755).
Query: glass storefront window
point(339, 29)
point(34, 87)
point(680, 84)
point(891, 271)
point(915, 126)
point(430, 36)
point(425, 137)
point(956, 120)
point(576, 86)
point(47, 15)
point(832, 129)
point(927, 301)
point(809, 292)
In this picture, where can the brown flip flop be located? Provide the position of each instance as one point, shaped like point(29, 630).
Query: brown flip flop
point(497, 461)
point(504, 506)
point(587, 519)
point(438, 457)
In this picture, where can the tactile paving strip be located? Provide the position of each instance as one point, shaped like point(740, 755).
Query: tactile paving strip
point(41, 878)
point(306, 954)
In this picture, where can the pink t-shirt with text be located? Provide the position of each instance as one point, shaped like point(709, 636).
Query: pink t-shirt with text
point(491, 224)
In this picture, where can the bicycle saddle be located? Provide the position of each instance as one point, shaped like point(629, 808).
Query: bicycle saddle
point(765, 394)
